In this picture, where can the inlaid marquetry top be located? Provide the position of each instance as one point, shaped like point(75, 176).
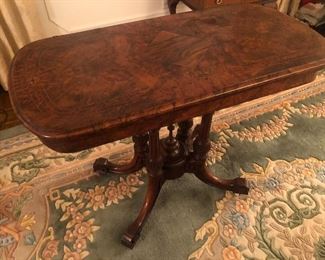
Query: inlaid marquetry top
point(84, 89)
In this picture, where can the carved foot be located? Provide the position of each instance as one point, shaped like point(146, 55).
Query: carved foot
point(132, 234)
point(103, 166)
point(237, 185)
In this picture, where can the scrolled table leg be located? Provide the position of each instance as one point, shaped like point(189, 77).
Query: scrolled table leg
point(155, 181)
point(201, 147)
point(237, 185)
point(103, 166)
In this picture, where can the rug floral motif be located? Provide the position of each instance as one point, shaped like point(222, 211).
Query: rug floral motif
point(53, 206)
point(75, 207)
point(283, 216)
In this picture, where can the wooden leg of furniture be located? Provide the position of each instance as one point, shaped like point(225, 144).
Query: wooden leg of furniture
point(172, 6)
point(168, 159)
point(201, 147)
point(183, 133)
point(155, 181)
point(237, 185)
point(103, 166)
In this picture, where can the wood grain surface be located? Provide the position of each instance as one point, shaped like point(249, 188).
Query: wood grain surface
point(85, 89)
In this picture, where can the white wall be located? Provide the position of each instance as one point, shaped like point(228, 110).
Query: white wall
point(78, 15)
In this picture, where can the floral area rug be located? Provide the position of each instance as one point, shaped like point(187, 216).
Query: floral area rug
point(52, 205)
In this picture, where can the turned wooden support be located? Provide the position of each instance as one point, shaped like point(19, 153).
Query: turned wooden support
point(140, 148)
point(169, 159)
point(154, 164)
point(171, 146)
point(154, 161)
point(184, 129)
point(174, 56)
point(201, 144)
point(175, 154)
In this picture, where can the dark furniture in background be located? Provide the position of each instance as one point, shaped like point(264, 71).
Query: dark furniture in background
point(7, 116)
point(320, 29)
point(204, 4)
point(85, 89)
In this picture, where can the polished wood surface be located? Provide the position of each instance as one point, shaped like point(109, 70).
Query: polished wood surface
point(168, 159)
point(86, 89)
point(81, 90)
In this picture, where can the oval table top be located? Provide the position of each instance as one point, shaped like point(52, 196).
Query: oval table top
point(84, 89)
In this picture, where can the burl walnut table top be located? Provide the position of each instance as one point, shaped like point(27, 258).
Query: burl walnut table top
point(81, 90)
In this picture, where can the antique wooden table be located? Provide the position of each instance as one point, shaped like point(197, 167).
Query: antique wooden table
point(85, 89)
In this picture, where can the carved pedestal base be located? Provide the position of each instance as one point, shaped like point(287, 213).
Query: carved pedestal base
point(169, 159)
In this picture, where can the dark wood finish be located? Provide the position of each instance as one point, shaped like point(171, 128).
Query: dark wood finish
point(168, 159)
point(320, 29)
point(8, 117)
point(203, 4)
point(151, 73)
point(172, 4)
point(85, 89)
point(183, 132)
point(201, 147)
point(103, 166)
point(154, 164)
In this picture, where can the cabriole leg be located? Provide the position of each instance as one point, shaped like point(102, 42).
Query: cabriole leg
point(201, 147)
point(155, 180)
point(103, 166)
